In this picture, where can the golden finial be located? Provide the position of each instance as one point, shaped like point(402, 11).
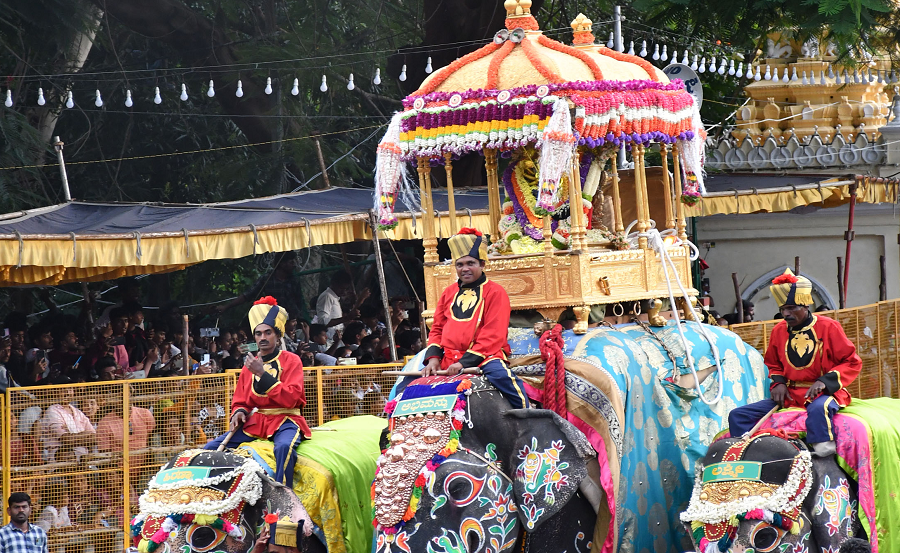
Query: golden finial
point(518, 14)
point(581, 29)
point(517, 8)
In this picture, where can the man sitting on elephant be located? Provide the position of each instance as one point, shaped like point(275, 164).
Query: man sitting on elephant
point(810, 360)
point(272, 382)
point(471, 322)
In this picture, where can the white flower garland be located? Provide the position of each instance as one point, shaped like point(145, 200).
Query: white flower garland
point(786, 497)
point(249, 489)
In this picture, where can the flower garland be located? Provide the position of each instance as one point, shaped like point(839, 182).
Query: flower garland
point(724, 543)
point(535, 60)
point(248, 488)
point(170, 524)
point(443, 74)
point(630, 58)
point(569, 88)
point(786, 498)
point(521, 189)
point(494, 67)
point(458, 416)
point(557, 147)
point(528, 22)
point(690, 193)
point(391, 177)
point(574, 52)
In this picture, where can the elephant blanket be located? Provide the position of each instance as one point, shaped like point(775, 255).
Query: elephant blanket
point(867, 435)
point(652, 430)
point(332, 476)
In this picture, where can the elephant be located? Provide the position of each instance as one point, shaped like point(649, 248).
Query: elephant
point(514, 470)
point(631, 391)
point(228, 494)
point(196, 476)
point(780, 497)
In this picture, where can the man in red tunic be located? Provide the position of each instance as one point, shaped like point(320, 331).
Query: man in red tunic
point(271, 382)
point(471, 322)
point(810, 360)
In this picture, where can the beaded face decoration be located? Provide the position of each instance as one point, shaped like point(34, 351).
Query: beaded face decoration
point(426, 420)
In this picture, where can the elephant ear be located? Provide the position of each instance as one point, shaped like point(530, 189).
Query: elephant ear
point(550, 456)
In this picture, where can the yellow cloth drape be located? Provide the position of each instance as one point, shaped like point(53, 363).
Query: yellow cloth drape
point(772, 202)
point(57, 260)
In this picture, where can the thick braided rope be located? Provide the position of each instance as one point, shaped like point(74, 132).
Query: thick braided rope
point(551, 347)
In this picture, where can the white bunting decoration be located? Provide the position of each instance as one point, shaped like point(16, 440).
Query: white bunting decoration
point(240, 90)
point(157, 99)
point(376, 80)
point(295, 90)
point(41, 100)
point(350, 85)
point(324, 86)
point(211, 91)
point(128, 101)
point(268, 89)
point(428, 68)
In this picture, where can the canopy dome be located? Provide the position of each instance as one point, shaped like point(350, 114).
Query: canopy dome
point(521, 55)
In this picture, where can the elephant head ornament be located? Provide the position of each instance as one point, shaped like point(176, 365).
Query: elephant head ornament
point(208, 501)
point(446, 485)
point(767, 494)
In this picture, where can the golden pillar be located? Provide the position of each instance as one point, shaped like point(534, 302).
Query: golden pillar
point(617, 203)
point(577, 232)
point(679, 206)
point(667, 186)
point(451, 201)
point(429, 241)
point(547, 233)
point(490, 165)
point(640, 193)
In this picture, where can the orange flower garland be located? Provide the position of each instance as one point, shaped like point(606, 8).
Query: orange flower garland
point(628, 58)
point(583, 37)
point(574, 52)
point(494, 67)
point(534, 59)
point(445, 73)
point(529, 23)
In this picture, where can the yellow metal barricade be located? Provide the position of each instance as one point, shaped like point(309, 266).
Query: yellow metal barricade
point(65, 445)
point(872, 328)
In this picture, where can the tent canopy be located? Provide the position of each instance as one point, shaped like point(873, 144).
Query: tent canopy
point(85, 241)
point(88, 241)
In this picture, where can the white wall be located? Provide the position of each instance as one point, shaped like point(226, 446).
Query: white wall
point(752, 245)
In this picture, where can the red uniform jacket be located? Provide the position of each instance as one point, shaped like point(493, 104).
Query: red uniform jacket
point(818, 351)
point(277, 394)
point(471, 322)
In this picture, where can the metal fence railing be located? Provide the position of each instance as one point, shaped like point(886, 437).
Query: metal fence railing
point(65, 445)
point(875, 332)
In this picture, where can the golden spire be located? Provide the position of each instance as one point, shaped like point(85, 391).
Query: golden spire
point(518, 14)
point(581, 30)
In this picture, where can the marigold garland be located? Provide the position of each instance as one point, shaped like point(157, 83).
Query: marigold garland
point(630, 58)
point(443, 74)
point(535, 60)
point(529, 23)
point(494, 67)
point(574, 52)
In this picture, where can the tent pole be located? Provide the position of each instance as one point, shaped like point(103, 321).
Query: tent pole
point(185, 355)
point(848, 236)
point(58, 145)
point(379, 264)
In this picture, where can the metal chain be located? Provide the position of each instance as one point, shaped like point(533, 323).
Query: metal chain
point(646, 327)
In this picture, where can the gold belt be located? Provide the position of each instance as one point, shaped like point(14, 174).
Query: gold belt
point(799, 383)
point(297, 412)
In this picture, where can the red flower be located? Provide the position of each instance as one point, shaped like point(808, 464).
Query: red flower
point(271, 518)
point(467, 230)
point(267, 300)
point(785, 279)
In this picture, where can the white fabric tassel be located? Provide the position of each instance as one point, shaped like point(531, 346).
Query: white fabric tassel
point(557, 145)
point(392, 177)
point(592, 181)
point(692, 151)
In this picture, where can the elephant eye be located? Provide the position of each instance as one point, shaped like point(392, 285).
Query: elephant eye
point(203, 538)
point(764, 537)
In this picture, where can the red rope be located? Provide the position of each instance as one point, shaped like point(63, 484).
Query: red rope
point(551, 346)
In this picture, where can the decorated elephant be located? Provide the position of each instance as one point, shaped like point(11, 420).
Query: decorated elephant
point(764, 493)
point(218, 502)
point(631, 392)
point(465, 472)
point(767, 493)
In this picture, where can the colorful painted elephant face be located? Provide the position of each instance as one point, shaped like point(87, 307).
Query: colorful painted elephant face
point(781, 499)
point(224, 491)
point(514, 470)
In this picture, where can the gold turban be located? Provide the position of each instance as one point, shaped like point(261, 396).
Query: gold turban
point(469, 242)
point(266, 311)
point(789, 289)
